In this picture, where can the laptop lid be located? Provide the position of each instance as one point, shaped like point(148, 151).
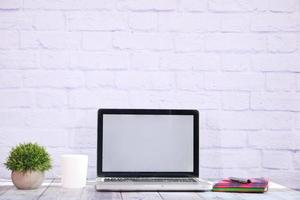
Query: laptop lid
point(148, 143)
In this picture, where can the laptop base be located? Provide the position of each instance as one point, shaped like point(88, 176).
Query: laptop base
point(199, 185)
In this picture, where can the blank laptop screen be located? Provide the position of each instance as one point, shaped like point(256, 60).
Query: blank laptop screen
point(147, 143)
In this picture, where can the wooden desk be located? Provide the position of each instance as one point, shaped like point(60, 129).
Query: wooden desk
point(51, 189)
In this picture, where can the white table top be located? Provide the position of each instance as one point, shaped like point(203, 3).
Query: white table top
point(51, 189)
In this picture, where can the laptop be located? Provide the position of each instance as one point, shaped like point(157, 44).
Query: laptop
point(148, 150)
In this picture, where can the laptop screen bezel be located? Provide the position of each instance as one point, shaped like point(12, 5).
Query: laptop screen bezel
point(194, 173)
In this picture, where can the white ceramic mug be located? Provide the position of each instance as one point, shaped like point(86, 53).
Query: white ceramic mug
point(74, 170)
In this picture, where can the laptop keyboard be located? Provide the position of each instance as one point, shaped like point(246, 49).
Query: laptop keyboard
point(119, 179)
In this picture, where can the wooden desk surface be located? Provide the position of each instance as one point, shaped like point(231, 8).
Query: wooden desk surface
point(51, 189)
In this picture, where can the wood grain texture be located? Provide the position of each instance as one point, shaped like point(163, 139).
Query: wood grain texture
point(13, 193)
point(52, 189)
point(140, 196)
point(179, 195)
point(89, 193)
point(4, 189)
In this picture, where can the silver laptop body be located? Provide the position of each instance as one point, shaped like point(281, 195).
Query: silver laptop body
point(148, 150)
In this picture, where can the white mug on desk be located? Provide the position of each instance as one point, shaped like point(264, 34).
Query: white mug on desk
point(74, 170)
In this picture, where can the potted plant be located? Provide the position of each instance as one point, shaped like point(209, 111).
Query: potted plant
point(28, 162)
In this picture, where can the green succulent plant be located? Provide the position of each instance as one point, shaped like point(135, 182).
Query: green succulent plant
point(28, 157)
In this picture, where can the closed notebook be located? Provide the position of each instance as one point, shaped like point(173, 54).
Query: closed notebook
point(257, 185)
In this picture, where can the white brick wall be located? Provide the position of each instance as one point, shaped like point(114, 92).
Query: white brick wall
point(236, 61)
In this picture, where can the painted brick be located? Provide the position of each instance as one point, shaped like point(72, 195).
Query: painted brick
point(16, 20)
point(4, 154)
point(248, 120)
point(149, 80)
point(278, 120)
point(69, 4)
point(277, 159)
point(230, 158)
point(208, 138)
point(236, 62)
point(18, 59)
point(54, 59)
point(297, 121)
point(240, 173)
point(99, 98)
point(189, 22)
point(283, 5)
point(235, 23)
point(178, 61)
point(275, 22)
point(45, 137)
point(95, 60)
point(206, 172)
point(167, 100)
point(190, 80)
point(60, 119)
point(83, 138)
point(138, 61)
point(13, 4)
point(237, 5)
point(200, 100)
point(152, 99)
point(144, 5)
point(233, 139)
point(235, 120)
point(10, 79)
point(276, 62)
point(94, 4)
point(192, 5)
point(288, 178)
point(140, 41)
point(50, 5)
point(283, 43)
point(296, 137)
point(3, 170)
point(49, 21)
point(101, 21)
point(233, 42)
point(53, 79)
point(50, 40)
point(10, 117)
point(280, 82)
point(271, 139)
point(11, 40)
point(51, 99)
point(197, 62)
point(15, 98)
point(98, 79)
point(235, 101)
point(234, 81)
point(208, 157)
point(143, 21)
point(275, 101)
point(297, 160)
point(91, 118)
point(146, 99)
point(92, 171)
point(96, 41)
point(188, 42)
point(298, 82)
point(223, 139)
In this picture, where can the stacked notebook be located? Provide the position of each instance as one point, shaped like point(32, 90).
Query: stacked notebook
point(256, 185)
